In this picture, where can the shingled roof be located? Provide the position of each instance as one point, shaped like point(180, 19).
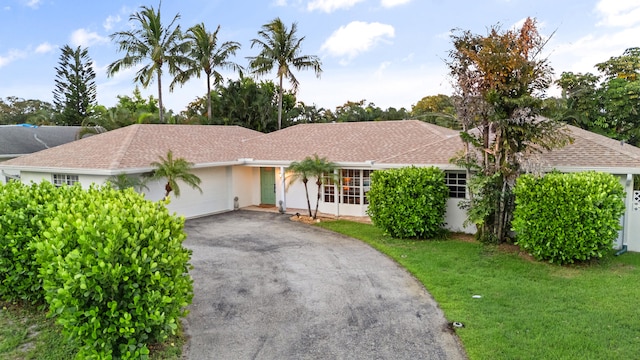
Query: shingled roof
point(383, 143)
point(356, 142)
point(17, 140)
point(137, 146)
point(593, 151)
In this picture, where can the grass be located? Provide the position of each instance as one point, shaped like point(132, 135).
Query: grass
point(26, 333)
point(527, 309)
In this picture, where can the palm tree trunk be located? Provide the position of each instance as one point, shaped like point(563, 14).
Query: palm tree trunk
point(280, 117)
point(306, 191)
point(160, 110)
point(209, 98)
point(319, 183)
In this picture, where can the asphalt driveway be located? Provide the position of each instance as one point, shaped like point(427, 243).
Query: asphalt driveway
point(270, 288)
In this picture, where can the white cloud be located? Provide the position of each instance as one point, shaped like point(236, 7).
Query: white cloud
point(620, 13)
point(356, 37)
point(110, 20)
point(331, 5)
point(280, 3)
point(84, 38)
point(392, 3)
point(383, 66)
point(44, 48)
point(34, 4)
point(12, 56)
point(582, 55)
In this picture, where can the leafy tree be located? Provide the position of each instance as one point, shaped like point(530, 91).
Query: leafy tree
point(75, 91)
point(625, 67)
point(150, 40)
point(280, 47)
point(309, 114)
point(206, 56)
point(174, 170)
point(243, 102)
point(436, 109)
point(606, 104)
point(129, 110)
point(499, 81)
point(580, 94)
point(311, 167)
point(357, 111)
point(15, 110)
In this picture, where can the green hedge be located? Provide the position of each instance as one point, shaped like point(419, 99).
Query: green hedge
point(111, 264)
point(23, 209)
point(564, 218)
point(408, 202)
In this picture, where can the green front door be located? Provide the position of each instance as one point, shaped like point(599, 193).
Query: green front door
point(268, 186)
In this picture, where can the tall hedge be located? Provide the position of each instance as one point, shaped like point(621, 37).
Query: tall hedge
point(109, 264)
point(408, 202)
point(22, 210)
point(114, 270)
point(564, 218)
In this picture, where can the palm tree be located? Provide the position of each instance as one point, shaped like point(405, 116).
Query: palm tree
point(124, 181)
point(173, 170)
point(150, 40)
point(280, 47)
point(205, 56)
point(311, 167)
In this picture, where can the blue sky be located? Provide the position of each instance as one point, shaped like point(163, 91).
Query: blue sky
point(389, 52)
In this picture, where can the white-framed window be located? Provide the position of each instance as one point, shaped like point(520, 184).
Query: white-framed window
point(457, 184)
point(64, 179)
point(351, 187)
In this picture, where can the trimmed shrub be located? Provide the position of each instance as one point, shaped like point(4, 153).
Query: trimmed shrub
point(564, 218)
point(114, 270)
point(23, 208)
point(408, 202)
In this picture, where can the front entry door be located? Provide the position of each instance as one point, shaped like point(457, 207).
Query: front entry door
point(267, 186)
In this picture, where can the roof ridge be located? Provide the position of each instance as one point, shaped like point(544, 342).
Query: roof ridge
point(124, 146)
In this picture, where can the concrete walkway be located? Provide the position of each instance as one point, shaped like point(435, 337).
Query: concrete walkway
point(269, 288)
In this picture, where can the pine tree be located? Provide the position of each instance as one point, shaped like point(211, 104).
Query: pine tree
point(75, 91)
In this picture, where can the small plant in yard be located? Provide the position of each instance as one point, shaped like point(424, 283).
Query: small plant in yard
point(309, 168)
point(408, 202)
point(564, 218)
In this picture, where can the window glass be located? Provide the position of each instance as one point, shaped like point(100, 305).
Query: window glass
point(457, 184)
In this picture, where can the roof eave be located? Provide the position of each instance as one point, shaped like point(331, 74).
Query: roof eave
point(605, 169)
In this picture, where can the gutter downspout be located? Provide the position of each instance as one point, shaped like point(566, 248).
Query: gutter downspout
point(623, 248)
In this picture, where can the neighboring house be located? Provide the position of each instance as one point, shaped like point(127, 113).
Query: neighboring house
point(236, 162)
point(23, 139)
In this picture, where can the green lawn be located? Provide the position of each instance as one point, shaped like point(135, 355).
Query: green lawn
point(527, 309)
point(26, 333)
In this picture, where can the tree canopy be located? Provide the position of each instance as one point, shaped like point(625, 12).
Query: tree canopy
point(75, 90)
point(500, 80)
point(281, 48)
point(608, 103)
point(150, 40)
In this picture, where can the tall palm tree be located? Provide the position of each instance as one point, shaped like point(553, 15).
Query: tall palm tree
point(150, 40)
point(311, 167)
point(173, 170)
point(206, 56)
point(280, 47)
